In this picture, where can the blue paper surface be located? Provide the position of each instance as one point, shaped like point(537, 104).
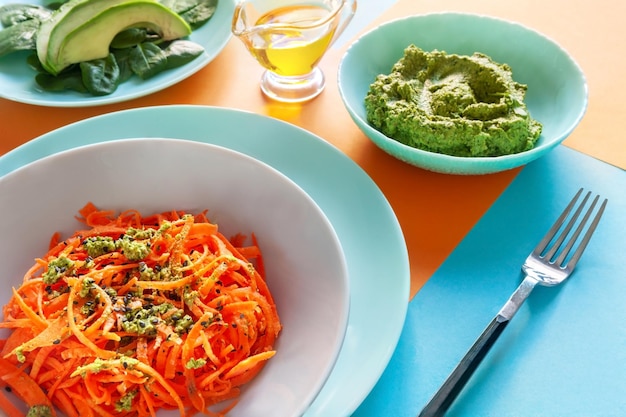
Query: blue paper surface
point(564, 353)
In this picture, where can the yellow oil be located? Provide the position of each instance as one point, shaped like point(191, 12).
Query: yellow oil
point(294, 51)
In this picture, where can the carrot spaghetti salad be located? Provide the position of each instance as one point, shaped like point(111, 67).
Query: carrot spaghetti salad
point(136, 314)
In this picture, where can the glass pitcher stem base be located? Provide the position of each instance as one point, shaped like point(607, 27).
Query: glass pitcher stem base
point(293, 89)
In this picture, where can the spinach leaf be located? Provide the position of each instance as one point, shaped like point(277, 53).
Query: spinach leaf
point(56, 4)
point(195, 12)
point(100, 76)
point(122, 56)
point(147, 60)
point(33, 61)
point(67, 80)
point(12, 14)
point(181, 52)
point(19, 37)
point(131, 37)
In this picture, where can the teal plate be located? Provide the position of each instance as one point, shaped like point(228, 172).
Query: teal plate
point(17, 79)
point(370, 234)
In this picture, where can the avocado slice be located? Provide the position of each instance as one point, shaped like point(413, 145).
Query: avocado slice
point(91, 37)
point(64, 20)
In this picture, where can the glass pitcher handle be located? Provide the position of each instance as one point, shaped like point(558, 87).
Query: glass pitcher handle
point(348, 10)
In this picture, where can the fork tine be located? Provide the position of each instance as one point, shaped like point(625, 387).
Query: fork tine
point(583, 243)
point(556, 226)
point(560, 260)
point(559, 241)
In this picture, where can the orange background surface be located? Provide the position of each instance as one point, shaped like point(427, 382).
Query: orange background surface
point(434, 210)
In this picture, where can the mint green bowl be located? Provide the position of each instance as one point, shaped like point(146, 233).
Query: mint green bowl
point(557, 89)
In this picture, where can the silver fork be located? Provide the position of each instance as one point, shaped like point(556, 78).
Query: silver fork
point(544, 266)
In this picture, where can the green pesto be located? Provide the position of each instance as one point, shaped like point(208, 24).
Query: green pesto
point(39, 411)
point(102, 364)
point(195, 363)
point(19, 354)
point(99, 245)
point(184, 324)
point(145, 321)
point(164, 273)
point(189, 297)
point(111, 292)
point(87, 285)
point(140, 234)
point(167, 273)
point(164, 227)
point(56, 269)
point(133, 250)
point(88, 264)
point(146, 273)
point(126, 402)
point(459, 105)
point(88, 308)
point(94, 367)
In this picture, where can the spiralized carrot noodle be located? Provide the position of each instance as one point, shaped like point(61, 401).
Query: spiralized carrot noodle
point(136, 314)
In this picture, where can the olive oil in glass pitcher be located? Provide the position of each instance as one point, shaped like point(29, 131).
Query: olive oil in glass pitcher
point(289, 38)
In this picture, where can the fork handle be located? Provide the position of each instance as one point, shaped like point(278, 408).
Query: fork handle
point(445, 396)
point(451, 388)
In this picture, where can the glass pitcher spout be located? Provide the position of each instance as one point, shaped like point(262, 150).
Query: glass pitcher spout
point(251, 20)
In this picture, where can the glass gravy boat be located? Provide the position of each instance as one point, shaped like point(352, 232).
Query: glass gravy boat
point(289, 38)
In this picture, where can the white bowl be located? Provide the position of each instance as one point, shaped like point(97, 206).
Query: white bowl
point(305, 266)
point(557, 89)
